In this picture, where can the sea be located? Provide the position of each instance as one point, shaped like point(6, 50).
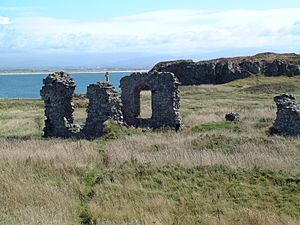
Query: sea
point(29, 85)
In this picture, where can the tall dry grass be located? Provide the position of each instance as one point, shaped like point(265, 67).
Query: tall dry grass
point(208, 150)
point(39, 180)
point(249, 147)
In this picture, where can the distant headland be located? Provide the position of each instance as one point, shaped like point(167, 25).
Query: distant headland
point(90, 70)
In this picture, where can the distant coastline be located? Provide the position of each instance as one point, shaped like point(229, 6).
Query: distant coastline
point(26, 72)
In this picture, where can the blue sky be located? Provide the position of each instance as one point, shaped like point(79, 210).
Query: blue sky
point(137, 33)
point(101, 9)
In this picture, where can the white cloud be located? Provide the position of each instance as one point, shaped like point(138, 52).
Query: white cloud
point(169, 31)
point(4, 20)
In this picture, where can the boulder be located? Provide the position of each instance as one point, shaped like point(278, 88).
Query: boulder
point(232, 116)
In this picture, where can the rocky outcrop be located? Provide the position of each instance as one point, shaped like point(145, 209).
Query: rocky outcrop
point(287, 121)
point(224, 70)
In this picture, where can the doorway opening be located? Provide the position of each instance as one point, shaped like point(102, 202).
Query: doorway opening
point(145, 104)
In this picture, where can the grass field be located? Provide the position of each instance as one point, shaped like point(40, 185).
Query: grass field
point(213, 172)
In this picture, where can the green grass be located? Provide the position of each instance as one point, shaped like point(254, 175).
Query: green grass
point(233, 126)
point(21, 104)
point(213, 172)
point(190, 193)
point(115, 130)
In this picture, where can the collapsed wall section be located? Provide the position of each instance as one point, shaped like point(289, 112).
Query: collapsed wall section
point(57, 93)
point(287, 122)
point(104, 104)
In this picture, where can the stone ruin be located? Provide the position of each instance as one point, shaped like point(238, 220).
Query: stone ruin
point(287, 122)
point(105, 103)
point(57, 93)
point(165, 99)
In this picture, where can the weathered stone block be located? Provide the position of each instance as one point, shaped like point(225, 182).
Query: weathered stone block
point(287, 122)
point(232, 116)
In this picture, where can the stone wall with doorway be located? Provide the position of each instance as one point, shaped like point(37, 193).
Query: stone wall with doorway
point(165, 100)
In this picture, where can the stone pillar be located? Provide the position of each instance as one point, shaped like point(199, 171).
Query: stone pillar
point(57, 94)
point(287, 122)
point(104, 104)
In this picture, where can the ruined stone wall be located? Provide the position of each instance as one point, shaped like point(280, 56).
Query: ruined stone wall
point(287, 121)
point(57, 92)
point(104, 104)
point(165, 99)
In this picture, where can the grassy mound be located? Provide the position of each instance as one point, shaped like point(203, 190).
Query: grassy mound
point(271, 88)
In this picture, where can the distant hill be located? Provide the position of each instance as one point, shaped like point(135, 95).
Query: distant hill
point(223, 70)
